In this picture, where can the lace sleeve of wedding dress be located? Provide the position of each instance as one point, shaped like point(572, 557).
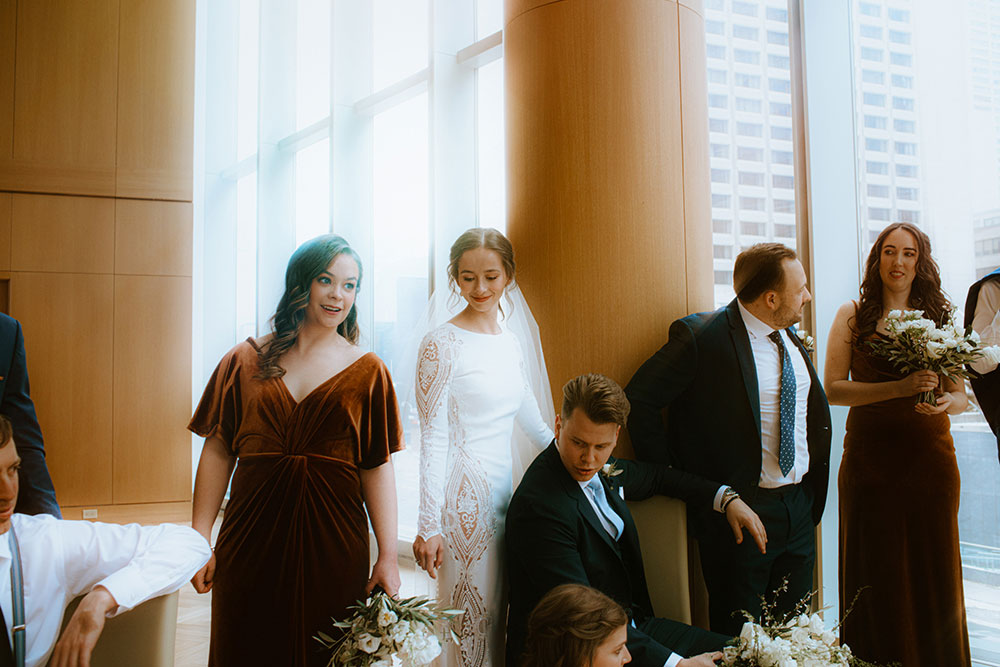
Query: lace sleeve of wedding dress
point(433, 385)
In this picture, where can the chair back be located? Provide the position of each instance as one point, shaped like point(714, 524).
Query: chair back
point(143, 636)
point(662, 526)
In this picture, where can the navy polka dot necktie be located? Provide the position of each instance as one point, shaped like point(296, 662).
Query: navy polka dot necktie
point(786, 451)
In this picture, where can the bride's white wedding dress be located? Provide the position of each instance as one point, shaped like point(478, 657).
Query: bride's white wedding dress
point(471, 388)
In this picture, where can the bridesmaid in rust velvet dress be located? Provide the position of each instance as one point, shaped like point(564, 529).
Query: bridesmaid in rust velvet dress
point(899, 484)
point(309, 420)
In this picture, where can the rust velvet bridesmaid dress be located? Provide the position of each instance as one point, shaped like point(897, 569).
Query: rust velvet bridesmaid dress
point(293, 548)
point(899, 492)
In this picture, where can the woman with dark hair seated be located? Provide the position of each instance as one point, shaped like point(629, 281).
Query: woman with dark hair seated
point(576, 626)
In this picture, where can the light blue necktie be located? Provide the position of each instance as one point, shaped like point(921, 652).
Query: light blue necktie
point(786, 450)
point(597, 490)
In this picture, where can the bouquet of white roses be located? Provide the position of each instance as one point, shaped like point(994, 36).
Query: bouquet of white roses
point(915, 343)
point(411, 629)
point(799, 642)
point(798, 639)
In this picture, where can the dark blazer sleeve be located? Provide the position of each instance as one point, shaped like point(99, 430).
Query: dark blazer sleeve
point(548, 553)
point(36, 495)
point(654, 386)
point(642, 480)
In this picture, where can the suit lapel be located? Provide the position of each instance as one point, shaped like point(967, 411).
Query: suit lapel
point(741, 342)
point(587, 510)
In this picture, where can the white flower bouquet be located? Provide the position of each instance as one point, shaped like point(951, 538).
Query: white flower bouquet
point(915, 343)
point(799, 642)
point(798, 639)
point(382, 627)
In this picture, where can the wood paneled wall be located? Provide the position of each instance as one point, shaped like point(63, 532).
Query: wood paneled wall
point(96, 141)
point(607, 175)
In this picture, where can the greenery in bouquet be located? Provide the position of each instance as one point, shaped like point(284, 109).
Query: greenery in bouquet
point(797, 639)
point(382, 627)
point(915, 343)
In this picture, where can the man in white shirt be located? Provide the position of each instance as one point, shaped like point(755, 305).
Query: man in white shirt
point(982, 313)
point(747, 412)
point(115, 567)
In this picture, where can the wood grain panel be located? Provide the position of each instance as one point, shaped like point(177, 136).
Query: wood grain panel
point(6, 202)
point(697, 176)
point(152, 389)
point(156, 99)
point(65, 94)
point(153, 237)
point(62, 234)
point(67, 321)
point(8, 31)
point(595, 179)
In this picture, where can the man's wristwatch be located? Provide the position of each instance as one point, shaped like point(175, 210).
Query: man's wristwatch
point(728, 496)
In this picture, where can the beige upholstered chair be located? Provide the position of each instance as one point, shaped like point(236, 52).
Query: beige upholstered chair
point(143, 636)
point(662, 526)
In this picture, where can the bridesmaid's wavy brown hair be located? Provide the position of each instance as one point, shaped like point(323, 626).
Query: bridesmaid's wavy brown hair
point(568, 625)
point(306, 264)
point(925, 292)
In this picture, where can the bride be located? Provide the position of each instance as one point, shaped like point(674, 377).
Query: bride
point(471, 387)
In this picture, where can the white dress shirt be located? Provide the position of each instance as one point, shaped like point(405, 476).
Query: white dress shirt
point(62, 560)
point(589, 495)
point(767, 359)
point(986, 322)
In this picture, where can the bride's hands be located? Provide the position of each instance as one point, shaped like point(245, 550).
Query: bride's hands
point(917, 382)
point(429, 553)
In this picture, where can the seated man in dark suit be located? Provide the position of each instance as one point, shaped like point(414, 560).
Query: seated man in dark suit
point(569, 524)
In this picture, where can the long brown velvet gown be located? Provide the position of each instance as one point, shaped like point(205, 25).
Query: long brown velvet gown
point(293, 548)
point(899, 492)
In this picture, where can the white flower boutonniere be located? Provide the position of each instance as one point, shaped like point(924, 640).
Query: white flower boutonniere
point(609, 470)
point(808, 341)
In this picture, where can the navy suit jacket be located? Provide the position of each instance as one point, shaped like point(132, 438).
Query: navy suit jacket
point(554, 537)
point(36, 495)
point(707, 379)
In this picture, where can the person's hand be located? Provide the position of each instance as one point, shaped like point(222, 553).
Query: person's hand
point(429, 553)
point(740, 516)
point(385, 574)
point(203, 578)
point(703, 660)
point(78, 639)
point(917, 382)
point(943, 403)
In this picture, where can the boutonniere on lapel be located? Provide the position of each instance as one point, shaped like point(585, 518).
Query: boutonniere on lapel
point(609, 471)
point(808, 341)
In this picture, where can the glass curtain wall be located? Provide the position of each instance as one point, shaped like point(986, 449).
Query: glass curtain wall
point(927, 119)
point(380, 120)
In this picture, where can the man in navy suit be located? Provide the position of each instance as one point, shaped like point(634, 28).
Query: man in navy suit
point(746, 413)
point(37, 495)
point(568, 523)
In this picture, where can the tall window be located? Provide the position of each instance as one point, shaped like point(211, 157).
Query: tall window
point(380, 120)
point(753, 183)
point(931, 157)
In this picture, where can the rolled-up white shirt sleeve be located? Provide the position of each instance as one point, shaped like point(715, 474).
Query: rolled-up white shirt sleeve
point(986, 322)
point(134, 563)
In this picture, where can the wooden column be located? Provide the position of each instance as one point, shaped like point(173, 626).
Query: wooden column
point(607, 175)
